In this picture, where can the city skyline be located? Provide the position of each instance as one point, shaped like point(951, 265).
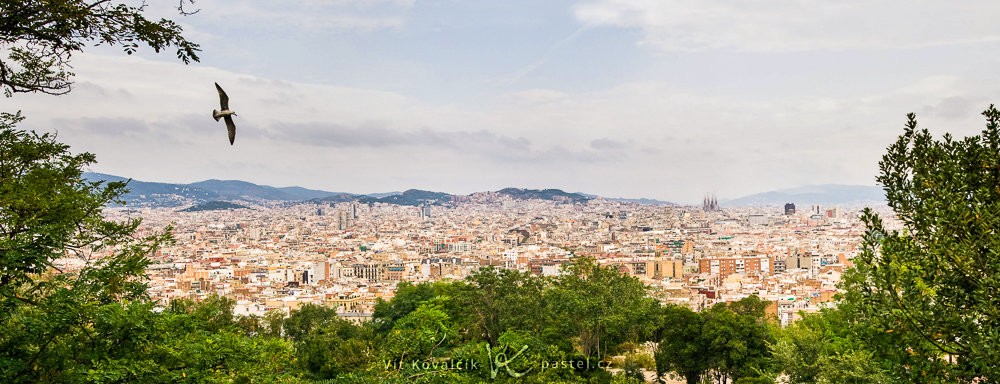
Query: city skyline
point(665, 100)
point(214, 191)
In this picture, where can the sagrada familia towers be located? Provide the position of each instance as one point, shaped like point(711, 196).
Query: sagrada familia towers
point(710, 203)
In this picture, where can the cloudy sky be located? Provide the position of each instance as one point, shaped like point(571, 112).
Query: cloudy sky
point(667, 99)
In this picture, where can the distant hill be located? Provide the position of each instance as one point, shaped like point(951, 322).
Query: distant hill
point(169, 195)
point(173, 195)
point(300, 193)
point(826, 194)
point(157, 194)
point(417, 197)
point(640, 201)
point(93, 176)
point(213, 206)
point(344, 198)
point(414, 197)
point(380, 195)
point(544, 194)
point(236, 189)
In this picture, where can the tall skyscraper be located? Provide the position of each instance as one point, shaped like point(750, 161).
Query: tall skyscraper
point(789, 209)
point(343, 220)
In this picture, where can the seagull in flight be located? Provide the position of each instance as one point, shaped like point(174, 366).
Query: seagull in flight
point(225, 113)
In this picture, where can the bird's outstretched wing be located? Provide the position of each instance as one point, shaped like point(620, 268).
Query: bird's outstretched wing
point(231, 127)
point(223, 98)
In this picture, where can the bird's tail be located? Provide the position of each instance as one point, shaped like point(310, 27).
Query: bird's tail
point(215, 115)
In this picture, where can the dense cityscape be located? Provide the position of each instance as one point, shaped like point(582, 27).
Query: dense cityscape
point(279, 256)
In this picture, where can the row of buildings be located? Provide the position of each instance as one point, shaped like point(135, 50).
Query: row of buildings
point(350, 255)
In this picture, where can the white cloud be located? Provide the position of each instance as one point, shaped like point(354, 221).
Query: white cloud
point(151, 117)
point(796, 25)
point(151, 120)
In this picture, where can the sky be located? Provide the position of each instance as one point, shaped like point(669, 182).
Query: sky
point(665, 99)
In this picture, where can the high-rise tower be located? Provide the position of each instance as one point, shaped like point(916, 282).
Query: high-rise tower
point(789, 209)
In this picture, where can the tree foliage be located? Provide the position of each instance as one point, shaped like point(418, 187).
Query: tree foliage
point(73, 304)
point(682, 349)
point(738, 336)
point(827, 347)
point(931, 292)
point(40, 37)
point(408, 297)
point(599, 308)
point(571, 322)
point(499, 300)
point(729, 342)
point(50, 221)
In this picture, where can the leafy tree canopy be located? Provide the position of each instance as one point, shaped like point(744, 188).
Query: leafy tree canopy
point(729, 342)
point(931, 292)
point(682, 349)
point(40, 37)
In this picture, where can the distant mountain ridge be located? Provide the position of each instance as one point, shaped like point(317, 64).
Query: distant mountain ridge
point(417, 197)
point(213, 206)
point(544, 194)
point(412, 197)
point(144, 193)
point(157, 194)
point(640, 201)
point(380, 195)
point(235, 189)
point(825, 194)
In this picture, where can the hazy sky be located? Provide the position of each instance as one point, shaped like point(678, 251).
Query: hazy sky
point(666, 99)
